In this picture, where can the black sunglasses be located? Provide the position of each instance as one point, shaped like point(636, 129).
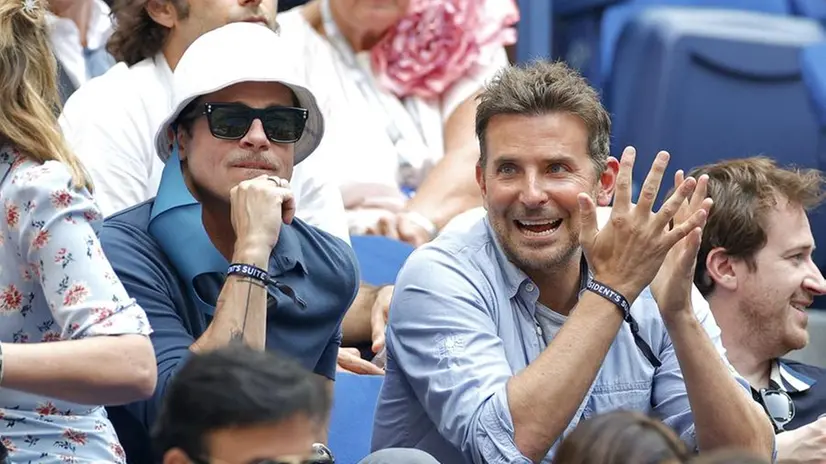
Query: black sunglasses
point(779, 407)
point(232, 121)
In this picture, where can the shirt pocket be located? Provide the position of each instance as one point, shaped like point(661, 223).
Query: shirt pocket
point(629, 396)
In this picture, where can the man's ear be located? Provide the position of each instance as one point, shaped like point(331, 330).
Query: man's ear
point(181, 137)
point(721, 269)
point(162, 12)
point(607, 182)
point(483, 186)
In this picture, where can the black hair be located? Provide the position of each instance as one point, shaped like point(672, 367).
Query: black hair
point(235, 386)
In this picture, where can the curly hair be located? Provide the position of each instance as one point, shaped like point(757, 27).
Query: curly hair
point(137, 36)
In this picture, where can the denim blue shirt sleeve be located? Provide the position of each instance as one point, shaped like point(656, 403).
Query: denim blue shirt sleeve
point(462, 382)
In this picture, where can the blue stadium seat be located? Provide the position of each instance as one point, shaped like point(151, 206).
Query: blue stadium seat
point(815, 9)
point(574, 7)
point(535, 29)
point(708, 85)
point(813, 65)
point(577, 33)
point(351, 421)
point(380, 258)
point(616, 17)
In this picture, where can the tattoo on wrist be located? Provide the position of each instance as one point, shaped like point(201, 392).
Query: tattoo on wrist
point(237, 335)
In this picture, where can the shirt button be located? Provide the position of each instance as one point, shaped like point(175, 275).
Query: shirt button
point(530, 287)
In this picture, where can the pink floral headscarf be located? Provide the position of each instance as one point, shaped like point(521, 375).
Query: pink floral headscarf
point(440, 41)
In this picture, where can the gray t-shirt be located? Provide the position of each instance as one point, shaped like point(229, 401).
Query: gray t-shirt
point(549, 321)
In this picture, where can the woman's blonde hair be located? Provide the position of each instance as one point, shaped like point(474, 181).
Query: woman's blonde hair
point(29, 98)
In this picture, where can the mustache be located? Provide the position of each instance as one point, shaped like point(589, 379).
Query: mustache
point(255, 158)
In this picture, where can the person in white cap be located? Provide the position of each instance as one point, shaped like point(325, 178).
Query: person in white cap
point(239, 267)
point(110, 123)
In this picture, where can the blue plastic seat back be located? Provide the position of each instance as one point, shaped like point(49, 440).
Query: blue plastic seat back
point(380, 258)
point(351, 420)
point(813, 63)
point(615, 18)
point(815, 9)
point(711, 86)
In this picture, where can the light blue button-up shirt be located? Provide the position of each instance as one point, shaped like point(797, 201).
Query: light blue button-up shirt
point(463, 322)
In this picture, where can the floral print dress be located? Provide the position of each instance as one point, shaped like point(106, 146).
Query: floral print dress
point(55, 284)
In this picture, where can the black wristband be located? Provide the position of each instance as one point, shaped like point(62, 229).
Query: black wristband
point(622, 303)
point(611, 295)
point(248, 270)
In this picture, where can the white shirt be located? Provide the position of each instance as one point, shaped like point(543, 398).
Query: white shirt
point(65, 38)
point(111, 123)
point(367, 155)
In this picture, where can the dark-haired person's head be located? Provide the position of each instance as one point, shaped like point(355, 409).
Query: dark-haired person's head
point(621, 437)
point(144, 28)
point(236, 405)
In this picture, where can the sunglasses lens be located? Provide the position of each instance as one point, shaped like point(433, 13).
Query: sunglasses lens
point(284, 125)
point(230, 122)
point(779, 406)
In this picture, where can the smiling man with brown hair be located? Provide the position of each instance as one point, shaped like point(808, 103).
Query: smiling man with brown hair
point(755, 268)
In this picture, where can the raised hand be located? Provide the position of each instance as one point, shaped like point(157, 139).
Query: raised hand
point(627, 253)
point(259, 207)
point(672, 285)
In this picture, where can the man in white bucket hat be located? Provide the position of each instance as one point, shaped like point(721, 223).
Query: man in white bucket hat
point(111, 122)
point(241, 267)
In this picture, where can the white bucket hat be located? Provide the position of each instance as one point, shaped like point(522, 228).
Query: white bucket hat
point(239, 52)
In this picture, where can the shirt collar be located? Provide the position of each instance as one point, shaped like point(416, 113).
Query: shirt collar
point(515, 277)
point(175, 209)
point(165, 75)
point(788, 379)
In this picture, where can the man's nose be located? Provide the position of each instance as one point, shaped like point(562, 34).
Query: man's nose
point(533, 192)
point(815, 283)
point(256, 137)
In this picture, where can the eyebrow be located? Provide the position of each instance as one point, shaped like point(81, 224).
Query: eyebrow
point(801, 247)
point(559, 158)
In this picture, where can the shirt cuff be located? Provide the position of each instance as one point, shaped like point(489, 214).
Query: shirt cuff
point(494, 435)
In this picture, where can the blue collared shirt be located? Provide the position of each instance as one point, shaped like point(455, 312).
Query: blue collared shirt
point(463, 322)
point(320, 269)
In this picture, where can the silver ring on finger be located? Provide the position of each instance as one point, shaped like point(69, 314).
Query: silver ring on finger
point(275, 179)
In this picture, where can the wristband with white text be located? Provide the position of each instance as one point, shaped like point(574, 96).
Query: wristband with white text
point(256, 273)
point(622, 303)
point(248, 270)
